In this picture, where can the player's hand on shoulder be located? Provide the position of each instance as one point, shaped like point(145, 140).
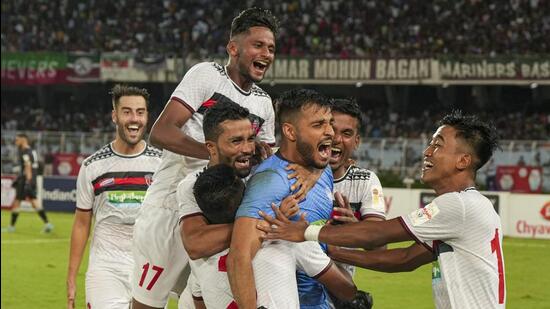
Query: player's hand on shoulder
point(289, 206)
point(281, 228)
point(342, 213)
point(305, 179)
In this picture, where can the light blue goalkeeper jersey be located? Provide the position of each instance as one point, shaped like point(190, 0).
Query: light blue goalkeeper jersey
point(270, 184)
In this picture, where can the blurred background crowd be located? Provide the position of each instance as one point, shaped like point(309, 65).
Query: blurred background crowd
point(333, 28)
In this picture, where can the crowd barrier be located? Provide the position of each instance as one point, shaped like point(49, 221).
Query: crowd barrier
point(522, 215)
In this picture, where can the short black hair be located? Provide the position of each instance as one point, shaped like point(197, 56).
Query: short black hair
point(348, 107)
point(481, 136)
point(219, 192)
point(22, 135)
point(224, 109)
point(120, 90)
point(254, 17)
point(291, 102)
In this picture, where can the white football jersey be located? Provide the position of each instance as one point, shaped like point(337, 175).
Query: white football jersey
point(464, 232)
point(184, 195)
point(274, 267)
point(364, 191)
point(201, 87)
point(113, 186)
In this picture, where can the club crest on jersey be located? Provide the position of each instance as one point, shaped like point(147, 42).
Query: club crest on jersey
point(148, 179)
point(107, 182)
point(424, 215)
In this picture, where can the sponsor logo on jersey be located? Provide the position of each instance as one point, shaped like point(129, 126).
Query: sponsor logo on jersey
point(424, 215)
point(125, 199)
point(545, 211)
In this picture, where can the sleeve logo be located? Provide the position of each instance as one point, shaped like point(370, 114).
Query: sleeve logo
point(423, 215)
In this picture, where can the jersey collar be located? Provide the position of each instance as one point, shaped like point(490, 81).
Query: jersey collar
point(235, 85)
point(345, 174)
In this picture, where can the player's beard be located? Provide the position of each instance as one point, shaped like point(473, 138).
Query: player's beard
point(241, 173)
point(121, 132)
point(244, 70)
point(307, 152)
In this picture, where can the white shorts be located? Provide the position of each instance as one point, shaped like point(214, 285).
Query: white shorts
point(159, 255)
point(107, 288)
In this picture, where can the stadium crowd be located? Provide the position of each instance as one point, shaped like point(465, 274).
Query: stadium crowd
point(378, 123)
point(333, 28)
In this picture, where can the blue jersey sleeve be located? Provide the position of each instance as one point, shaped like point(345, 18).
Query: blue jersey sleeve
point(263, 189)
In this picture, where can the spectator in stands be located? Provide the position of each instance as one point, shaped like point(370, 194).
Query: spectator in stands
point(310, 27)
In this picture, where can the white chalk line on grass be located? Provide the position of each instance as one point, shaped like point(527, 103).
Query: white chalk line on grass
point(33, 241)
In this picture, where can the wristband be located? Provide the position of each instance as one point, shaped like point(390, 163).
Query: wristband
point(312, 232)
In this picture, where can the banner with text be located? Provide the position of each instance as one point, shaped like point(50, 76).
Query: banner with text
point(498, 68)
point(34, 68)
point(48, 68)
point(59, 193)
point(529, 216)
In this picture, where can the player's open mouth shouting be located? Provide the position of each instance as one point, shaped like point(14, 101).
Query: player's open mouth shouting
point(133, 130)
point(325, 149)
point(336, 153)
point(242, 162)
point(261, 66)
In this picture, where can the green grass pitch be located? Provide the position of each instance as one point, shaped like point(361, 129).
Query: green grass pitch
point(34, 268)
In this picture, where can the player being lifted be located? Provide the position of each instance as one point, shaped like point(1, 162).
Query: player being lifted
point(111, 185)
point(460, 231)
point(160, 256)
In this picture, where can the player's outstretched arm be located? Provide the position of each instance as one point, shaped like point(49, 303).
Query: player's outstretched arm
point(364, 234)
point(393, 260)
point(201, 239)
point(166, 132)
point(79, 238)
point(338, 282)
point(245, 243)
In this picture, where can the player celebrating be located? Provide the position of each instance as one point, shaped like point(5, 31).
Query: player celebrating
point(360, 186)
point(230, 140)
point(218, 192)
point(25, 184)
point(459, 229)
point(178, 130)
point(305, 121)
point(111, 185)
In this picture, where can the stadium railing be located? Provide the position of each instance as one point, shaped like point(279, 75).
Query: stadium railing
point(401, 156)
